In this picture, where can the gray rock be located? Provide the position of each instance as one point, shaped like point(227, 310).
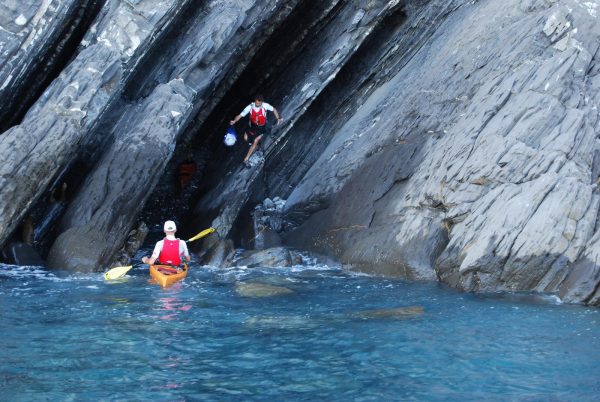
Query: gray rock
point(219, 254)
point(268, 203)
point(112, 192)
point(64, 118)
point(22, 254)
point(271, 257)
point(496, 193)
point(36, 38)
point(133, 243)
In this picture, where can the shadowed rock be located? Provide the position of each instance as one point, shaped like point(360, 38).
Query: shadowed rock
point(22, 254)
point(272, 257)
point(219, 254)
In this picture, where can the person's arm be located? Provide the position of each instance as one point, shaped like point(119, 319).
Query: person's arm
point(155, 254)
point(183, 250)
point(270, 108)
point(277, 116)
point(239, 116)
point(235, 119)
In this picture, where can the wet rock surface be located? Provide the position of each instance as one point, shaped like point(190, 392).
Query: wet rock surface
point(271, 257)
point(430, 140)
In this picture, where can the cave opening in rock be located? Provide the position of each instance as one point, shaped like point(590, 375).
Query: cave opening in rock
point(202, 139)
point(285, 165)
point(283, 47)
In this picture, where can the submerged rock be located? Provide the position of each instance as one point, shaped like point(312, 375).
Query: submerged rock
point(296, 322)
point(255, 289)
point(391, 313)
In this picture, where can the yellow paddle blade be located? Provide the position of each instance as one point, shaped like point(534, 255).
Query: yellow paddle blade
point(202, 234)
point(117, 272)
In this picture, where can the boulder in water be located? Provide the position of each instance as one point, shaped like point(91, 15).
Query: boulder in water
point(219, 254)
point(22, 254)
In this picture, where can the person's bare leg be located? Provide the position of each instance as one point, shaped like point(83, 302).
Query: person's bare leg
point(252, 148)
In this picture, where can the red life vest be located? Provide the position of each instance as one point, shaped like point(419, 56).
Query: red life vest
point(258, 117)
point(170, 252)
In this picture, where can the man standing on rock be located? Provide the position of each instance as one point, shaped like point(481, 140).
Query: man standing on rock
point(170, 250)
point(258, 123)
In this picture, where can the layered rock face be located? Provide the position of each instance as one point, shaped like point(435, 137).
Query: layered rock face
point(432, 140)
point(484, 146)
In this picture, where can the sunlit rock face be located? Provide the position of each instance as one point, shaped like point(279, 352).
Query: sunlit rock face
point(431, 140)
point(482, 153)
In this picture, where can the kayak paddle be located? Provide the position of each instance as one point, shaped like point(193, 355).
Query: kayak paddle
point(202, 234)
point(118, 272)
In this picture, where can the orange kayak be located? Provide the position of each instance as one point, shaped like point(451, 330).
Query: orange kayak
point(166, 275)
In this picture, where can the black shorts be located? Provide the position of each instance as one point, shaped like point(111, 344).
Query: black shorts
point(254, 131)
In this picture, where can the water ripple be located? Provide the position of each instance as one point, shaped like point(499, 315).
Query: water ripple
point(337, 336)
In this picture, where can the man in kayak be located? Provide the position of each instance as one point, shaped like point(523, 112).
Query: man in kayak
point(170, 250)
point(258, 122)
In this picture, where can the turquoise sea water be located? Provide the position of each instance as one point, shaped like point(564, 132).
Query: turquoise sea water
point(76, 337)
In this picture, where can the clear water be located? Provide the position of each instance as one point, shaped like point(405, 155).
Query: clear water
point(79, 338)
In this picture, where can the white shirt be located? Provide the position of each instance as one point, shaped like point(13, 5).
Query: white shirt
point(183, 250)
point(251, 106)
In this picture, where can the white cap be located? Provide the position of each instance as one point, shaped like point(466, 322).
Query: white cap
point(170, 226)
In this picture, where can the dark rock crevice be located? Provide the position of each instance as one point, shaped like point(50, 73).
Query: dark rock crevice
point(156, 66)
point(287, 164)
point(284, 41)
point(283, 47)
point(34, 75)
point(353, 22)
point(219, 100)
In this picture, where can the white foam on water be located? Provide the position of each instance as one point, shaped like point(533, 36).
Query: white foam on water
point(16, 271)
point(554, 299)
point(41, 273)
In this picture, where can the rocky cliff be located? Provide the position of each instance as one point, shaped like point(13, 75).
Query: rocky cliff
point(433, 140)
